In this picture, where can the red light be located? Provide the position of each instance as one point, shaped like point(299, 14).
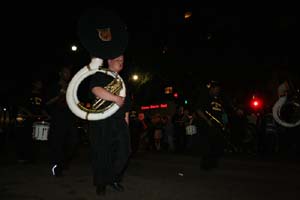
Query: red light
point(145, 107)
point(155, 106)
point(256, 103)
point(164, 105)
point(175, 95)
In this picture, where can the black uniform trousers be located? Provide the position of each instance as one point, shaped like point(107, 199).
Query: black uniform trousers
point(110, 149)
point(24, 141)
point(63, 138)
point(212, 147)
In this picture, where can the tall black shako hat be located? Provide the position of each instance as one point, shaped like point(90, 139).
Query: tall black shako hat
point(102, 33)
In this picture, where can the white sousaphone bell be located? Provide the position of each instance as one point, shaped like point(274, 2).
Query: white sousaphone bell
point(286, 112)
point(104, 36)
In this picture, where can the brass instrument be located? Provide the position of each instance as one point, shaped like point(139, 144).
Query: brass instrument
point(216, 120)
point(100, 109)
point(230, 145)
point(286, 111)
point(101, 105)
point(114, 87)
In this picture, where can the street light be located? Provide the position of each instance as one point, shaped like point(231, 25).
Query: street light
point(135, 77)
point(74, 48)
point(187, 15)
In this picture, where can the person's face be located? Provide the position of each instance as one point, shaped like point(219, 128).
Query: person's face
point(116, 64)
point(141, 116)
point(180, 110)
point(215, 91)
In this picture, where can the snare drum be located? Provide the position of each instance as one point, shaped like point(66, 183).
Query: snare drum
point(190, 130)
point(40, 130)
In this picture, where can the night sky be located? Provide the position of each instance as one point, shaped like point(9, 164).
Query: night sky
point(230, 43)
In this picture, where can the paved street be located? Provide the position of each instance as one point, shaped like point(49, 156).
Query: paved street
point(155, 176)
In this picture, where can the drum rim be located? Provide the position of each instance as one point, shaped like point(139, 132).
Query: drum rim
point(41, 123)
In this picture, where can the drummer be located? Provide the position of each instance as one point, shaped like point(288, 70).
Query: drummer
point(31, 109)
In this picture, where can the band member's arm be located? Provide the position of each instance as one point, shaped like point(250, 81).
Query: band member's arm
point(61, 95)
point(102, 93)
point(53, 100)
point(127, 117)
point(26, 111)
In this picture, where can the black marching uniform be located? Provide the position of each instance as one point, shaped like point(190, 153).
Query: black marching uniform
point(211, 137)
point(110, 140)
point(63, 135)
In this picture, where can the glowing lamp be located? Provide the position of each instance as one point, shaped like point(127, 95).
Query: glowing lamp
point(256, 103)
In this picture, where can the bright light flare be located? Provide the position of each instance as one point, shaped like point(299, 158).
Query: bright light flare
point(74, 48)
point(256, 103)
point(135, 77)
point(187, 15)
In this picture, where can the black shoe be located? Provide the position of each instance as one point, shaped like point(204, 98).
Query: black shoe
point(117, 186)
point(101, 190)
point(56, 171)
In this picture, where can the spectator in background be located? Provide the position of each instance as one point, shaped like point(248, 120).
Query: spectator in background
point(179, 129)
point(168, 130)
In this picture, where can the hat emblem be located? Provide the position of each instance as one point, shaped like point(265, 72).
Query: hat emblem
point(104, 34)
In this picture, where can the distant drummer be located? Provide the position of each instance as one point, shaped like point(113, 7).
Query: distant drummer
point(31, 109)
